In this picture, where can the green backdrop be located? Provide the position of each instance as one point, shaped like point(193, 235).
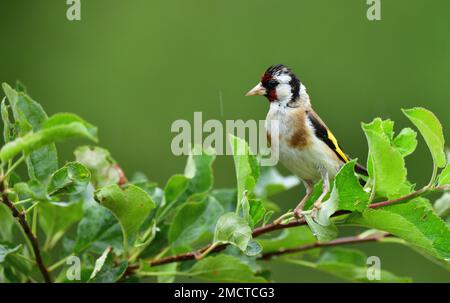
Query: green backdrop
point(133, 67)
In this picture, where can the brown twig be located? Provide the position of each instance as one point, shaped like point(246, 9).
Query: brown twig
point(20, 216)
point(276, 226)
point(335, 242)
point(273, 227)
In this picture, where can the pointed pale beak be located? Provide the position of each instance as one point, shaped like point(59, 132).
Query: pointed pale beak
point(258, 90)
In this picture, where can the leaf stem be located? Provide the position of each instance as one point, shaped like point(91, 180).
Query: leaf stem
point(14, 166)
point(58, 264)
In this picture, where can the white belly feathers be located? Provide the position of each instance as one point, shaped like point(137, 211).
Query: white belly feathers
point(300, 150)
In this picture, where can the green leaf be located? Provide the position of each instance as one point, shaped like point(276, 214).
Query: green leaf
point(271, 182)
point(233, 229)
point(252, 210)
point(6, 223)
point(388, 166)
point(226, 197)
point(176, 185)
point(199, 171)
point(253, 248)
point(193, 224)
point(246, 166)
point(54, 129)
point(257, 211)
point(444, 177)
point(347, 194)
point(29, 116)
point(431, 130)
point(288, 238)
point(348, 264)
point(56, 218)
point(32, 189)
point(72, 178)
point(414, 221)
point(347, 190)
point(98, 228)
point(130, 206)
point(323, 232)
point(199, 176)
point(105, 271)
point(224, 268)
point(61, 119)
point(406, 141)
point(8, 126)
point(7, 249)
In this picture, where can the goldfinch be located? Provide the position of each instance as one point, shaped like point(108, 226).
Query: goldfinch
point(306, 145)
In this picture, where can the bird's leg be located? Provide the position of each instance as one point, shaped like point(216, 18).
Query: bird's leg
point(309, 190)
point(325, 190)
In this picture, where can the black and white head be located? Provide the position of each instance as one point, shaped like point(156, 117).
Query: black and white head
point(278, 84)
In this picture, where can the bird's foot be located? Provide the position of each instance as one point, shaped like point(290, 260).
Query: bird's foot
point(298, 213)
point(316, 207)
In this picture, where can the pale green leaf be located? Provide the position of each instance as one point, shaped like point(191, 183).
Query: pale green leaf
point(444, 177)
point(347, 190)
point(406, 141)
point(130, 206)
point(431, 130)
point(388, 166)
point(323, 232)
point(233, 229)
point(199, 171)
point(272, 182)
point(35, 140)
point(247, 170)
point(105, 270)
point(29, 116)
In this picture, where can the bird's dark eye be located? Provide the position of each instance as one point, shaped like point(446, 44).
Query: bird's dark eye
point(271, 84)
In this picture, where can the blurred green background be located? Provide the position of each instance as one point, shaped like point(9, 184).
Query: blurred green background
point(133, 67)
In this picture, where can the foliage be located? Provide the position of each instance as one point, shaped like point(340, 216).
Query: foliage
point(123, 229)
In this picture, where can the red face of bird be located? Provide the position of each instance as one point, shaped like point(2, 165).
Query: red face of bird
point(278, 83)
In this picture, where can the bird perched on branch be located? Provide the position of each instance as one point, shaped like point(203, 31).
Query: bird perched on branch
point(306, 145)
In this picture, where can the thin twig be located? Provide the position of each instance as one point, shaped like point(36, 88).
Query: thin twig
point(335, 242)
point(276, 226)
point(20, 216)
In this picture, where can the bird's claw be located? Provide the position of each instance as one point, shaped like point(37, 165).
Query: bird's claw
point(315, 210)
point(298, 214)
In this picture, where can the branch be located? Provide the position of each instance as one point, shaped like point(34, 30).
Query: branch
point(276, 226)
point(20, 216)
point(335, 242)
